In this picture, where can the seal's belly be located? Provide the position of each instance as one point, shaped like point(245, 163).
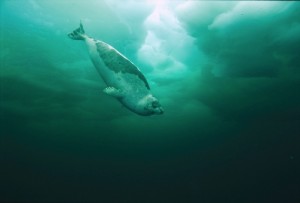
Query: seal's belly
point(107, 75)
point(115, 69)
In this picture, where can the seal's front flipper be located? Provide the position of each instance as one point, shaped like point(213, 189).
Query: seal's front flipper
point(111, 91)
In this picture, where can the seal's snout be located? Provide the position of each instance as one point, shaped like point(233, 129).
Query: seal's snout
point(160, 111)
point(157, 111)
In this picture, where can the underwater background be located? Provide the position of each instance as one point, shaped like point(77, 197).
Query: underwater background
point(226, 73)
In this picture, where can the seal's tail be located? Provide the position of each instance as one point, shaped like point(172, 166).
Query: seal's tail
point(78, 34)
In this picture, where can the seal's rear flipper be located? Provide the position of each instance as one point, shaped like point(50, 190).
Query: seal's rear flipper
point(111, 91)
point(77, 34)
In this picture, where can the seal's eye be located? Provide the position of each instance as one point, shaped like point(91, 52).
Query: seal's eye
point(155, 104)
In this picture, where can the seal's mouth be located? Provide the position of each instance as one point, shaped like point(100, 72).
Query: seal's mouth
point(159, 110)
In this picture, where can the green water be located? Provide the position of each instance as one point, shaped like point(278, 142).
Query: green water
point(226, 73)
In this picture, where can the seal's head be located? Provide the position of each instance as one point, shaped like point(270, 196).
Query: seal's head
point(149, 105)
